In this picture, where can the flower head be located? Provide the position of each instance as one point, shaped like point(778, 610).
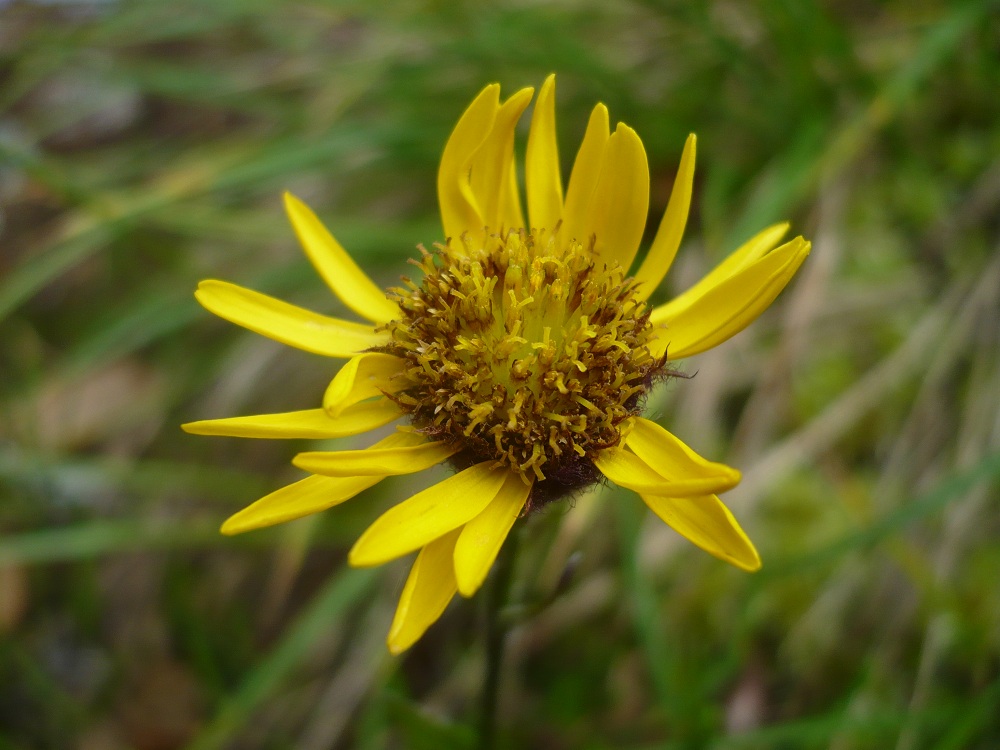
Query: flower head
point(521, 352)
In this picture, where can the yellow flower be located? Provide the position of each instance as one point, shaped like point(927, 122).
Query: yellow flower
point(522, 355)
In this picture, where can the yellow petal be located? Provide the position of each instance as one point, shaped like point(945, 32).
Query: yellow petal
point(311, 495)
point(754, 248)
point(668, 236)
point(310, 423)
point(586, 169)
point(308, 496)
point(428, 515)
point(483, 536)
point(690, 475)
point(428, 589)
point(405, 459)
point(621, 199)
point(671, 457)
point(287, 323)
point(491, 167)
point(511, 215)
point(361, 378)
point(708, 523)
point(728, 307)
point(542, 178)
point(459, 209)
point(337, 268)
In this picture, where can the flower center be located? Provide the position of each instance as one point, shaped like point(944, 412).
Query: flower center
point(523, 352)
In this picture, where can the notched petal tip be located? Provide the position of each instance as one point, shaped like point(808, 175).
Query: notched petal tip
point(205, 286)
point(621, 127)
point(522, 93)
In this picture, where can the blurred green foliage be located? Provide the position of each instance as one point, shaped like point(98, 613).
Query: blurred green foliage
point(145, 146)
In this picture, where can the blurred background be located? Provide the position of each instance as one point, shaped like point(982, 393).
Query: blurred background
point(145, 146)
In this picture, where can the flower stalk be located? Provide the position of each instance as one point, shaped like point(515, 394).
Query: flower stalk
point(495, 634)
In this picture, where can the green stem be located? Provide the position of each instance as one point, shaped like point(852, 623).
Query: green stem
point(496, 639)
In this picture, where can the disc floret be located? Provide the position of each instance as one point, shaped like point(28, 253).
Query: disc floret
point(523, 352)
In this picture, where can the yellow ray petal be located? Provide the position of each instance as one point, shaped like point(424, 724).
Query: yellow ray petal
point(728, 307)
point(307, 496)
point(621, 199)
point(705, 521)
point(310, 423)
point(754, 248)
point(693, 477)
point(459, 209)
point(337, 268)
point(511, 215)
point(491, 166)
point(405, 459)
point(363, 377)
point(542, 178)
point(483, 536)
point(586, 169)
point(668, 237)
point(303, 498)
point(428, 515)
point(671, 457)
point(287, 323)
point(428, 589)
